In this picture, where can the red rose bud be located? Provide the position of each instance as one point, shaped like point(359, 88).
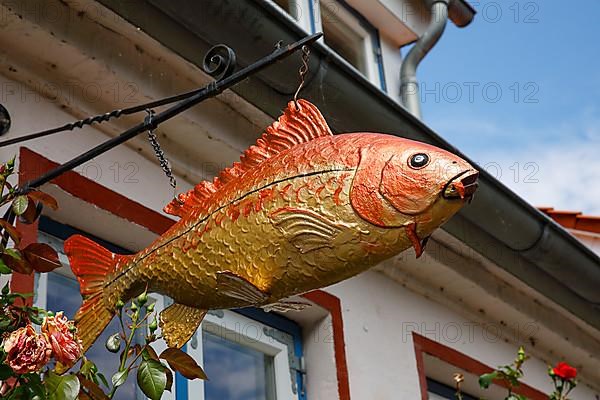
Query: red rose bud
point(565, 371)
point(26, 351)
point(61, 336)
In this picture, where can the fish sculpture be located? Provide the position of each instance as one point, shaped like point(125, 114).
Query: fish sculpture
point(303, 209)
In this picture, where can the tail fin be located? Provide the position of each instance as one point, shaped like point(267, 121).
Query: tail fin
point(91, 263)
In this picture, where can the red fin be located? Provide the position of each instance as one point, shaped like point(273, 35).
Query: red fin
point(294, 127)
point(91, 263)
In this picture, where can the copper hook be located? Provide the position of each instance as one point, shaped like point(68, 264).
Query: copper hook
point(302, 71)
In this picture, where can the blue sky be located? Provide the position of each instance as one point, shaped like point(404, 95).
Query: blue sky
point(519, 92)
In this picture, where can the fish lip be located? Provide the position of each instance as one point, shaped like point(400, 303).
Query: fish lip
point(462, 186)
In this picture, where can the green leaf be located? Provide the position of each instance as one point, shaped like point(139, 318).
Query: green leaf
point(18, 393)
point(486, 380)
point(36, 318)
point(14, 253)
point(149, 354)
point(183, 363)
point(64, 387)
point(87, 368)
point(4, 270)
point(5, 372)
point(152, 378)
point(5, 323)
point(119, 378)
point(6, 289)
point(20, 204)
point(35, 387)
point(14, 260)
point(103, 379)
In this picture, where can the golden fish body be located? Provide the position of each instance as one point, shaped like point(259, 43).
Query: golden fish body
point(303, 210)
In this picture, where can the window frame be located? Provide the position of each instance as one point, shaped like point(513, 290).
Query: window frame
point(301, 12)
point(423, 345)
point(444, 390)
point(232, 326)
point(312, 21)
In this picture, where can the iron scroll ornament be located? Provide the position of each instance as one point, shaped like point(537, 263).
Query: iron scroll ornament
point(219, 62)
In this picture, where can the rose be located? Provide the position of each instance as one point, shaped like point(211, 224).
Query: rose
point(564, 371)
point(26, 351)
point(60, 333)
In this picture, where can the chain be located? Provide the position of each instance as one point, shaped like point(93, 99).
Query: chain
point(160, 154)
point(302, 71)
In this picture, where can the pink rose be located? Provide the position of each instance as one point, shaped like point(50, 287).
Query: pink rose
point(26, 351)
point(60, 333)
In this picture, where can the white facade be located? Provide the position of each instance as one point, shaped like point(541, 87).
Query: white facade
point(56, 67)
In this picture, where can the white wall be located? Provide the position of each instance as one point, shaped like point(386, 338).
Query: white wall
point(379, 316)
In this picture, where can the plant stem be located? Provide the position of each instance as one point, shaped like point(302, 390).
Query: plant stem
point(122, 368)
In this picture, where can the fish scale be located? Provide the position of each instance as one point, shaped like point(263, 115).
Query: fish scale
point(302, 210)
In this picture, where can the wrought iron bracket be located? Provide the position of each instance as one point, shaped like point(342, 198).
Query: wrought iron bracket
point(216, 62)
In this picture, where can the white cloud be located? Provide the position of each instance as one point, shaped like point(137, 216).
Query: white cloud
point(556, 165)
point(565, 176)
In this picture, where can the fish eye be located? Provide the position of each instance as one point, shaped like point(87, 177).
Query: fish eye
point(418, 160)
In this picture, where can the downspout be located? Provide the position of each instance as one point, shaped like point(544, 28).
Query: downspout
point(409, 87)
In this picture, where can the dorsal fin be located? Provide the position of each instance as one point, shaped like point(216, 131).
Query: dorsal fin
point(295, 126)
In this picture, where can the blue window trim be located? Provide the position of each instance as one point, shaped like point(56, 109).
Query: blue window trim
point(285, 325)
point(446, 391)
point(63, 232)
point(311, 10)
point(181, 383)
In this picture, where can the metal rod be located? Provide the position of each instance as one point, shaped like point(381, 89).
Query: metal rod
point(99, 118)
point(212, 89)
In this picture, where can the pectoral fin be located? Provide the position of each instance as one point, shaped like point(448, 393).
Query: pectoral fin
point(239, 288)
point(286, 305)
point(309, 231)
point(178, 323)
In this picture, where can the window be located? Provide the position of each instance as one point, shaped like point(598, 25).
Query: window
point(351, 36)
point(300, 12)
point(437, 364)
point(345, 31)
point(439, 391)
point(248, 354)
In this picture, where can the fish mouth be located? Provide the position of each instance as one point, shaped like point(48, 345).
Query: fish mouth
point(462, 186)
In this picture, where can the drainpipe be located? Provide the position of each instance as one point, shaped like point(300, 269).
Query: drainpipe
point(409, 87)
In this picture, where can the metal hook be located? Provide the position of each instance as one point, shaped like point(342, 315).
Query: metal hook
point(302, 71)
point(164, 163)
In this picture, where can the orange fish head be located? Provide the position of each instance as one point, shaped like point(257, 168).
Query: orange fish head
point(400, 181)
point(419, 175)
